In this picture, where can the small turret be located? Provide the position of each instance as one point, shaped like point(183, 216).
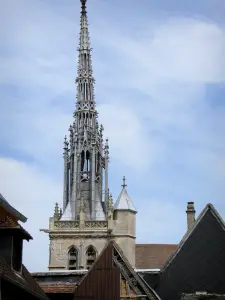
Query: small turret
point(125, 223)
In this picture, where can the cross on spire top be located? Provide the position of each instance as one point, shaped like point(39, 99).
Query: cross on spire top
point(124, 182)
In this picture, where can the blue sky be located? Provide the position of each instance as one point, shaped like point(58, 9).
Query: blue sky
point(160, 90)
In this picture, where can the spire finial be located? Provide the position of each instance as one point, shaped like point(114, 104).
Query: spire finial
point(124, 182)
point(83, 5)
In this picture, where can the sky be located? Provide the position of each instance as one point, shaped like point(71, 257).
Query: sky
point(160, 92)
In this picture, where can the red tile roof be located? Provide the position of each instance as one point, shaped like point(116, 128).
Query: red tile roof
point(58, 288)
point(153, 256)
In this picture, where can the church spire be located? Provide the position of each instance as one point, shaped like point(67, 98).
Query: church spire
point(84, 80)
point(84, 35)
point(87, 159)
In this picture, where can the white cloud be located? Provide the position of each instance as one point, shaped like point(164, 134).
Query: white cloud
point(128, 137)
point(32, 193)
point(178, 49)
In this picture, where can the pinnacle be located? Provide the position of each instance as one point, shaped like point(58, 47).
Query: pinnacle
point(83, 6)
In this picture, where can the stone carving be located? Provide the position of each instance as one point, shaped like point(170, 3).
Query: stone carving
point(78, 236)
point(66, 224)
point(60, 253)
point(96, 224)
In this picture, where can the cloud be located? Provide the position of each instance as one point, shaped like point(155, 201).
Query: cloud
point(127, 136)
point(151, 94)
point(177, 49)
point(33, 193)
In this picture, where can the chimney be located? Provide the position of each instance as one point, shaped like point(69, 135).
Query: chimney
point(190, 214)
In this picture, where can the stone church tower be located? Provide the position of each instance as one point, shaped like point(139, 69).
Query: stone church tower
point(88, 219)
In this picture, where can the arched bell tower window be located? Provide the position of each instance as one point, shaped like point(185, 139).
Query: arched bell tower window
point(73, 259)
point(90, 256)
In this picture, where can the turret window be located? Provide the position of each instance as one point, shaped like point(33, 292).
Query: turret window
point(73, 259)
point(90, 256)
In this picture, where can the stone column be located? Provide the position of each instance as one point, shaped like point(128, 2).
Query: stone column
point(81, 256)
point(93, 179)
point(106, 174)
point(74, 190)
point(65, 187)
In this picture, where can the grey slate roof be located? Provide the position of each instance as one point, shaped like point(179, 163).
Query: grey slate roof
point(124, 201)
point(198, 263)
point(67, 215)
point(209, 207)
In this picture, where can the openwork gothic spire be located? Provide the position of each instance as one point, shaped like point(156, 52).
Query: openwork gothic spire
point(84, 80)
point(85, 157)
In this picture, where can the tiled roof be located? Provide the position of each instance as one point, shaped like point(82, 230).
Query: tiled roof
point(64, 288)
point(61, 281)
point(5, 204)
point(9, 223)
point(23, 280)
point(153, 256)
point(209, 208)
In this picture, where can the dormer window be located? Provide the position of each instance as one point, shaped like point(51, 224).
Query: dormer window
point(17, 253)
point(73, 259)
point(90, 256)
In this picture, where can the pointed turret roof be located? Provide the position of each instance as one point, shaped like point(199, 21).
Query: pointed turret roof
point(124, 201)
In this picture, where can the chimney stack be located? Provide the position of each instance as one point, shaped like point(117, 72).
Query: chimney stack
point(190, 214)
